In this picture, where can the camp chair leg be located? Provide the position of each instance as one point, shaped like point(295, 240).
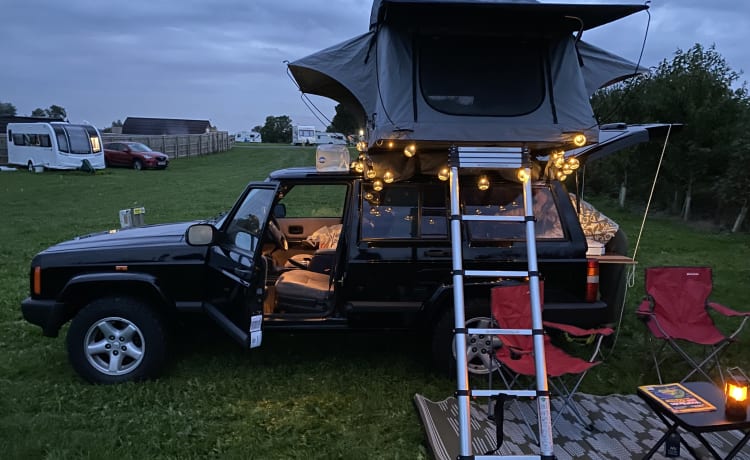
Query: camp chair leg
point(509, 383)
point(569, 403)
point(699, 367)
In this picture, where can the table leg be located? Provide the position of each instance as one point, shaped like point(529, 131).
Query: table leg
point(672, 429)
point(739, 445)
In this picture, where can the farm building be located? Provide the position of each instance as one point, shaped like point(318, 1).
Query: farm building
point(164, 126)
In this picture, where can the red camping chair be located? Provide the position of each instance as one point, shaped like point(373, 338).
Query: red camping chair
point(511, 309)
point(675, 310)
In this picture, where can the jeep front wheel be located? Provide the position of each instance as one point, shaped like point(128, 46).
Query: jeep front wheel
point(480, 348)
point(115, 340)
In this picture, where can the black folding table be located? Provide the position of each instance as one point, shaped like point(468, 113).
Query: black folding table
point(698, 423)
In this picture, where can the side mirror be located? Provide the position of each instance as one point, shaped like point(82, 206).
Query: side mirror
point(201, 235)
point(279, 211)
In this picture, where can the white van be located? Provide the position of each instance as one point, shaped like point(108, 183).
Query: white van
point(54, 145)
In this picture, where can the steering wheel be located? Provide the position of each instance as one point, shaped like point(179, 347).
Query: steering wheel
point(277, 235)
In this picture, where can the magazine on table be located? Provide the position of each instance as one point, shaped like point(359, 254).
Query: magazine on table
point(677, 398)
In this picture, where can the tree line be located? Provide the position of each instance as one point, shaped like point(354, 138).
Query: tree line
point(704, 174)
point(57, 112)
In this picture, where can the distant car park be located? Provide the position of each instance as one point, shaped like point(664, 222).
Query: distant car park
point(134, 155)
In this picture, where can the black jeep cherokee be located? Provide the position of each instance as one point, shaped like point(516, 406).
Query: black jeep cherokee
point(309, 249)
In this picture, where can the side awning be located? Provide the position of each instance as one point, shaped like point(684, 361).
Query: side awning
point(618, 136)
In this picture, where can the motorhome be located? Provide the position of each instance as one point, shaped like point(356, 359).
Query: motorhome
point(303, 135)
point(54, 145)
point(248, 136)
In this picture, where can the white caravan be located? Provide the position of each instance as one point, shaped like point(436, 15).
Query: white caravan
point(303, 135)
point(54, 145)
point(247, 136)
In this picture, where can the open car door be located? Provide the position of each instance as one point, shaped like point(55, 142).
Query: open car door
point(237, 268)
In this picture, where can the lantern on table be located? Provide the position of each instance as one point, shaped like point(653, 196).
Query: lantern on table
point(735, 393)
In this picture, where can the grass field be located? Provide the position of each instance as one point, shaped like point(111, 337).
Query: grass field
point(300, 395)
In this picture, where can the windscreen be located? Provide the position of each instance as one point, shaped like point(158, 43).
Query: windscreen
point(79, 139)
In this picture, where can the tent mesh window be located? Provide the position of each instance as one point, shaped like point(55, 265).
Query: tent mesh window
point(490, 76)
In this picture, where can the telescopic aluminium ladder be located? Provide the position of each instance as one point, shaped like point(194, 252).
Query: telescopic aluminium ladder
point(486, 159)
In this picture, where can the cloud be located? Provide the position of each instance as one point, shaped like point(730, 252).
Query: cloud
point(223, 60)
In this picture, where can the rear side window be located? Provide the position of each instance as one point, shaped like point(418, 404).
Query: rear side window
point(315, 200)
point(485, 76)
point(506, 199)
point(18, 139)
point(404, 212)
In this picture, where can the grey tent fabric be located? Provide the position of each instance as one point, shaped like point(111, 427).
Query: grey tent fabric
point(602, 68)
point(528, 11)
point(386, 78)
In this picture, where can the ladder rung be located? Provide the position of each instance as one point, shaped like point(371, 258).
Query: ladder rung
point(490, 157)
point(468, 217)
point(495, 457)
point(521, 393)
point(491, 331)
point(497, 273)
point(480, 163)
point(492, 150)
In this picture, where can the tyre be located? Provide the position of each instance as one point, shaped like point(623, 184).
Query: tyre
point(116, 340)
point(137, 165)
point(479, 347)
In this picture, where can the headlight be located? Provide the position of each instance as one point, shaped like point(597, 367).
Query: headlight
point(148, 157)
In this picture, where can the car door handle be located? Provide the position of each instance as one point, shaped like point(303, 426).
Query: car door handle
point(437, 253)
point(244, 274)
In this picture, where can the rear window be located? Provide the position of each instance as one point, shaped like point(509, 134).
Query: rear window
point(506, 199)
point(491, 76)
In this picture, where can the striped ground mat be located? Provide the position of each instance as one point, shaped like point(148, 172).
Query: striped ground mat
point(624, 428)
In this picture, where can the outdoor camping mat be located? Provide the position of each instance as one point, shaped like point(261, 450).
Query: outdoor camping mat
point(624, 428)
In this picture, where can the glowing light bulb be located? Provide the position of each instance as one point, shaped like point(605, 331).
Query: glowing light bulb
point(522, 174)
point(359, 167)
point(410, 150)
point(369, 196)
point(444, 174)
point(573, 163)
point(377, 185)
point(388, 177)
point(370, 174)
point(361, 132)
point(361, 146)
point(483, 183)
point(579, 140)
point(390, 144)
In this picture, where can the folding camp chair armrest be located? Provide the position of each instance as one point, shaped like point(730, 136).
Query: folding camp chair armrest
point(726, 311)
point(577, 331)
point(645, 309)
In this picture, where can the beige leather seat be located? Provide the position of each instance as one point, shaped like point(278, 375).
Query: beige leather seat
point(303, 284)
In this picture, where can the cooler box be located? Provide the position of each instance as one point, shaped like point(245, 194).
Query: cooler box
point(332, 157)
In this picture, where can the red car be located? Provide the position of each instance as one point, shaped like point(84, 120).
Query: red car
point(134, 155)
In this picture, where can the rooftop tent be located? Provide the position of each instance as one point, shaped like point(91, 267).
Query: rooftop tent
point(484, 72)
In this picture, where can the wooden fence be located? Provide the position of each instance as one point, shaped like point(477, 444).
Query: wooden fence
point(178, 146)
point(175, 146)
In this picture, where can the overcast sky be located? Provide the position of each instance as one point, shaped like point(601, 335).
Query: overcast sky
point(223, 60)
